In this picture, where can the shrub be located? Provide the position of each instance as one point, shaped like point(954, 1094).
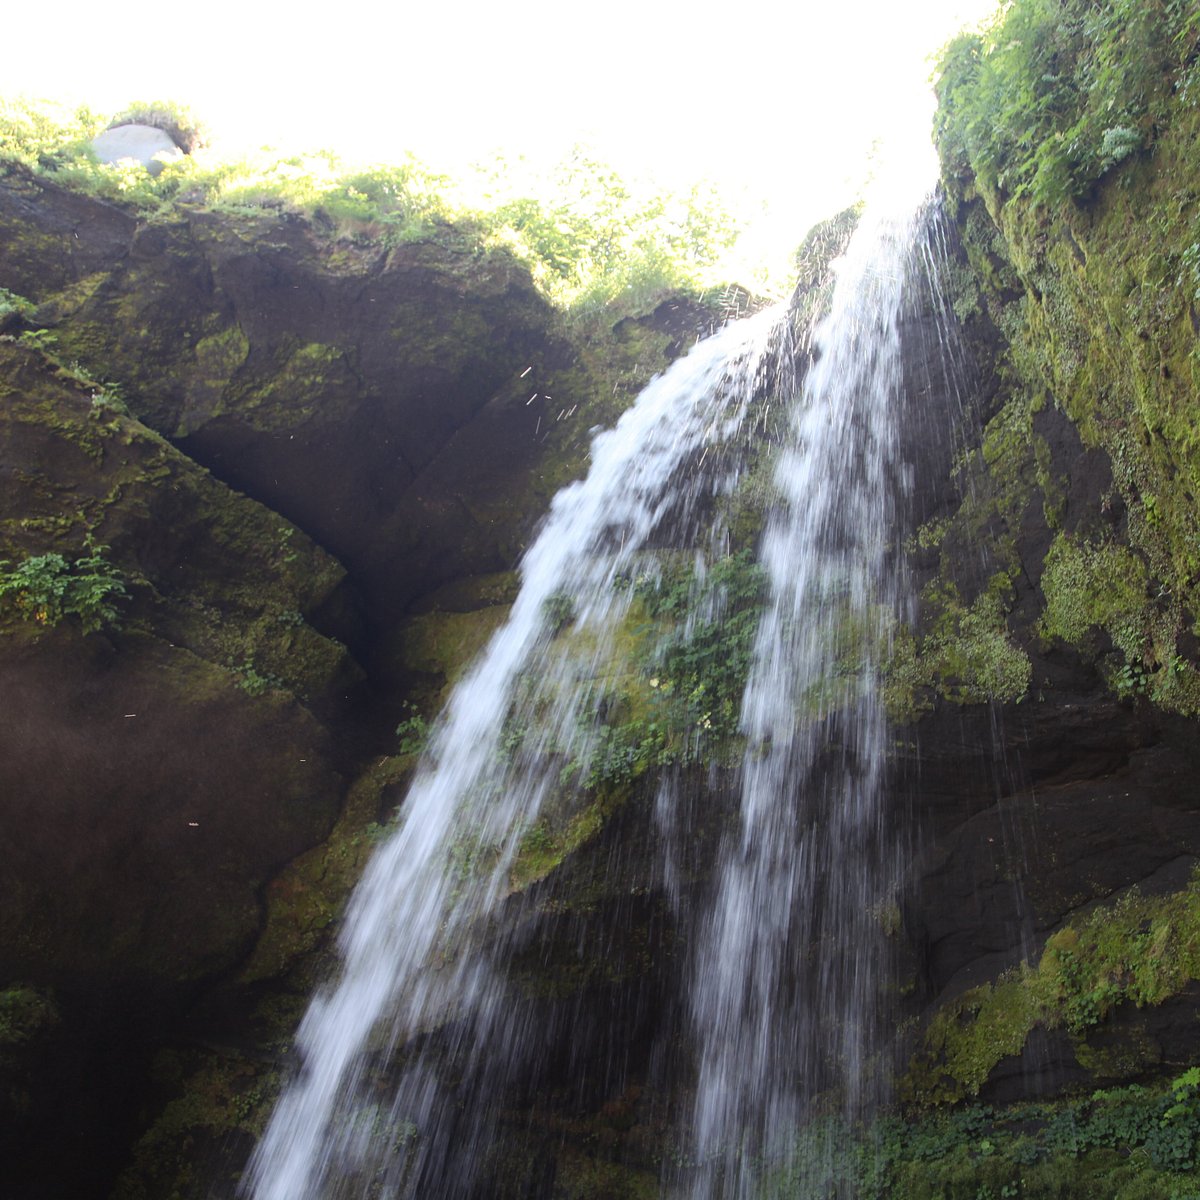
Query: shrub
point(14, 308)
point(254, 682)
point(590, 235)
point(412, 732)
point(177, 122)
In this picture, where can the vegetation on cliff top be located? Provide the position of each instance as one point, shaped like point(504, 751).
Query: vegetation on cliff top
point(1056, 92)
point(590, 236)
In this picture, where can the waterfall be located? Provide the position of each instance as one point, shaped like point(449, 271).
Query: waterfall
point(419, 1003)
point(791, 950)
point(405, 1054)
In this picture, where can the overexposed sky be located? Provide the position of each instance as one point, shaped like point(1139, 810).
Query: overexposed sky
point(776, 101)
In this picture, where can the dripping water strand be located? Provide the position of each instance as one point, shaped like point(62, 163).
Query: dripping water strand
point(789, 951)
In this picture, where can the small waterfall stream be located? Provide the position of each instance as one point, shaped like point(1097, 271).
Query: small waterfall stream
point(416, 945)
point(792, 951)
point(403, 1053)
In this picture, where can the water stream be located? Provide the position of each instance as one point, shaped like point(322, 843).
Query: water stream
point(791, 953)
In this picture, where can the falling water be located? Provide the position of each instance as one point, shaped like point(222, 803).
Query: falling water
point(785, 990)
point(420, 1016)
point(405, 1054)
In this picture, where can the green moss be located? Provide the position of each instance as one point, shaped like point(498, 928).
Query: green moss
point(219, 1104)
point(26, 1014)
point(1125, 1053)
point(581, 1177)
point(236, 596)
point(546, 844)
point(662, 687)
point(611, 364)
point(64, 304)
point(1089, 586)
point(474, 592)
point(1137, 952)
point(218, 357)
point(444, 644)
point(1105, 322)
point(596, 1155)
point(308, 895)
point(304, 384)
point(969, 1036)
point(966, 654)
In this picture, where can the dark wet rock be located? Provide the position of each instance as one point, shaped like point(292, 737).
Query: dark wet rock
point(279, 441)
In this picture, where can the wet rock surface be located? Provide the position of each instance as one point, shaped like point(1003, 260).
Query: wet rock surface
point(277, 442)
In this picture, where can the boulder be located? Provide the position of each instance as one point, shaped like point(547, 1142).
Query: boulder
point(137, 143)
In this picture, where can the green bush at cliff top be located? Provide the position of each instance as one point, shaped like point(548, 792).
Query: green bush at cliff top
point(1056, 92)
point(589, 234)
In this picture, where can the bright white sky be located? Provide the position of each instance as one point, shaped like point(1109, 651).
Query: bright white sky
point(777, 101)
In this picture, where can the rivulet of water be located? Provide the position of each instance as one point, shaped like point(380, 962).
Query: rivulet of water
point(789, 952)
point(419, 1015)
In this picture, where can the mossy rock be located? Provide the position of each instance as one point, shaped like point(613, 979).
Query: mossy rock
point(307, 898)
point(1093, 979)
point(1097, 302)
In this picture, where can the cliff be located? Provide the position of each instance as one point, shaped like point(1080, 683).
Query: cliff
point(262, 489)
point(1051, 909)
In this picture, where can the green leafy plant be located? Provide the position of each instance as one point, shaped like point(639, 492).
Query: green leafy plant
point(1131, 678)
point(1117, 144)
point(413, 732)
point(690, 673)
point(1191, 269)
point(43, 340)
point(706, 661)
point(594, 236)
point(108, 398)
point(1129, 1143)
point(558, 611)
point(46, 589)
point(43, 136)
point(967, 655)
point(254, 682)
point(14, 308)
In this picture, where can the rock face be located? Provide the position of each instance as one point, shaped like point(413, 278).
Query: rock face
point(1059, 825)
point(257, 448)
